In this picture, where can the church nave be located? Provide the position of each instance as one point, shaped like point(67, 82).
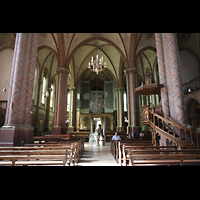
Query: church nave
point(97, 155)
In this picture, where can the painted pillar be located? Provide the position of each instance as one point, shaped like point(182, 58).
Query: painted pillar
point(61, 102)
point(129, 129)
point(133, 123)
point(17, 127)
point(162, 73)
point(73, 109)
point(120, 127)
point(174, 82)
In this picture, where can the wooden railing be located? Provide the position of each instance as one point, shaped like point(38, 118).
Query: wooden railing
point(169, 128)
point(191, 85)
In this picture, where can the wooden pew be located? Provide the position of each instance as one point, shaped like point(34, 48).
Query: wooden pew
point(109, 134)
point(79, 145)
point(75, 152)
point(116, 146)
point(81, 134)
point(126, 150)
point(64, 153)
point(67, 150)
point(77, 142)
point(47, 138)
point(131, 150)
point(167, 159)
point(152, 151)
point(26, 157)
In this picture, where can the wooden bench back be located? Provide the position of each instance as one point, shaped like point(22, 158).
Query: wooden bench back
point(163, 158)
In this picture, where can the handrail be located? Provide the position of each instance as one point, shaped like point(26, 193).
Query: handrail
point(191, 85)
point(191, 80)
point(169, 127)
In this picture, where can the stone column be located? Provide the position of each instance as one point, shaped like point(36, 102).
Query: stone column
point(78, 119)
point(112, 124)
point(174, 82)
point(102, 123)
point(133, 123)
point(73, 109)
point(120, 127)
point(162, 73)
point(91, 124)
point(61, 102)
point(17, 127)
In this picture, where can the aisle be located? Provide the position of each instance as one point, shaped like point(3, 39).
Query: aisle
point(97, 155)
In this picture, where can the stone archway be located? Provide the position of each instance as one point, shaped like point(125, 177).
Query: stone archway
point(193, 114)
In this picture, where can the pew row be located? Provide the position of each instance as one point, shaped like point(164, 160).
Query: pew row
point(167, 159)
point(69, 154)
point(57, 139)
point(133, 153)
point(36, 157)
point(116, 146)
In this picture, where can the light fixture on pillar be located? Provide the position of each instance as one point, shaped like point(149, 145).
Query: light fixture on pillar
point(97, 64)
point(47, 94)
point(189, 89)
point(4, 89)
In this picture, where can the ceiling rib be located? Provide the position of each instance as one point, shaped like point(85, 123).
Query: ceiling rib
point(104, 54)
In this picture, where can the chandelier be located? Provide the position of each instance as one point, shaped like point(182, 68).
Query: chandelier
point(97, 64)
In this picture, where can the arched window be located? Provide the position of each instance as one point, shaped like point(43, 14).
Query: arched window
point(68, 101)
point(52, 95)
point(125, 101)
point(44, 88)
point(35, 89)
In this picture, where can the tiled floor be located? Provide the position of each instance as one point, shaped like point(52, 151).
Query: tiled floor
point(97, 155)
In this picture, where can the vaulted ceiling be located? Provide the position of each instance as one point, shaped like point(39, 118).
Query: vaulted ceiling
point(80, 47)
point(74, 51)
point(120, 50)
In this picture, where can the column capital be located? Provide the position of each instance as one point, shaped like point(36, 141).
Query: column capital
point(62, 70)
point(72, 88)
point(119, 88)
point(130, 70)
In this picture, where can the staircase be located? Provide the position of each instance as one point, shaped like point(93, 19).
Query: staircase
point(169, 128)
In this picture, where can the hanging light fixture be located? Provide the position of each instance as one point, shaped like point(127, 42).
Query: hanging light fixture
point(97, 64)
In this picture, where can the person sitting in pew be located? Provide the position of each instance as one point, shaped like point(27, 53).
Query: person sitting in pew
point(131, 135)
point(141, 134)
point(116, 137)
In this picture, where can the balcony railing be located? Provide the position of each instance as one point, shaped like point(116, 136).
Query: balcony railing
point(191, 85)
